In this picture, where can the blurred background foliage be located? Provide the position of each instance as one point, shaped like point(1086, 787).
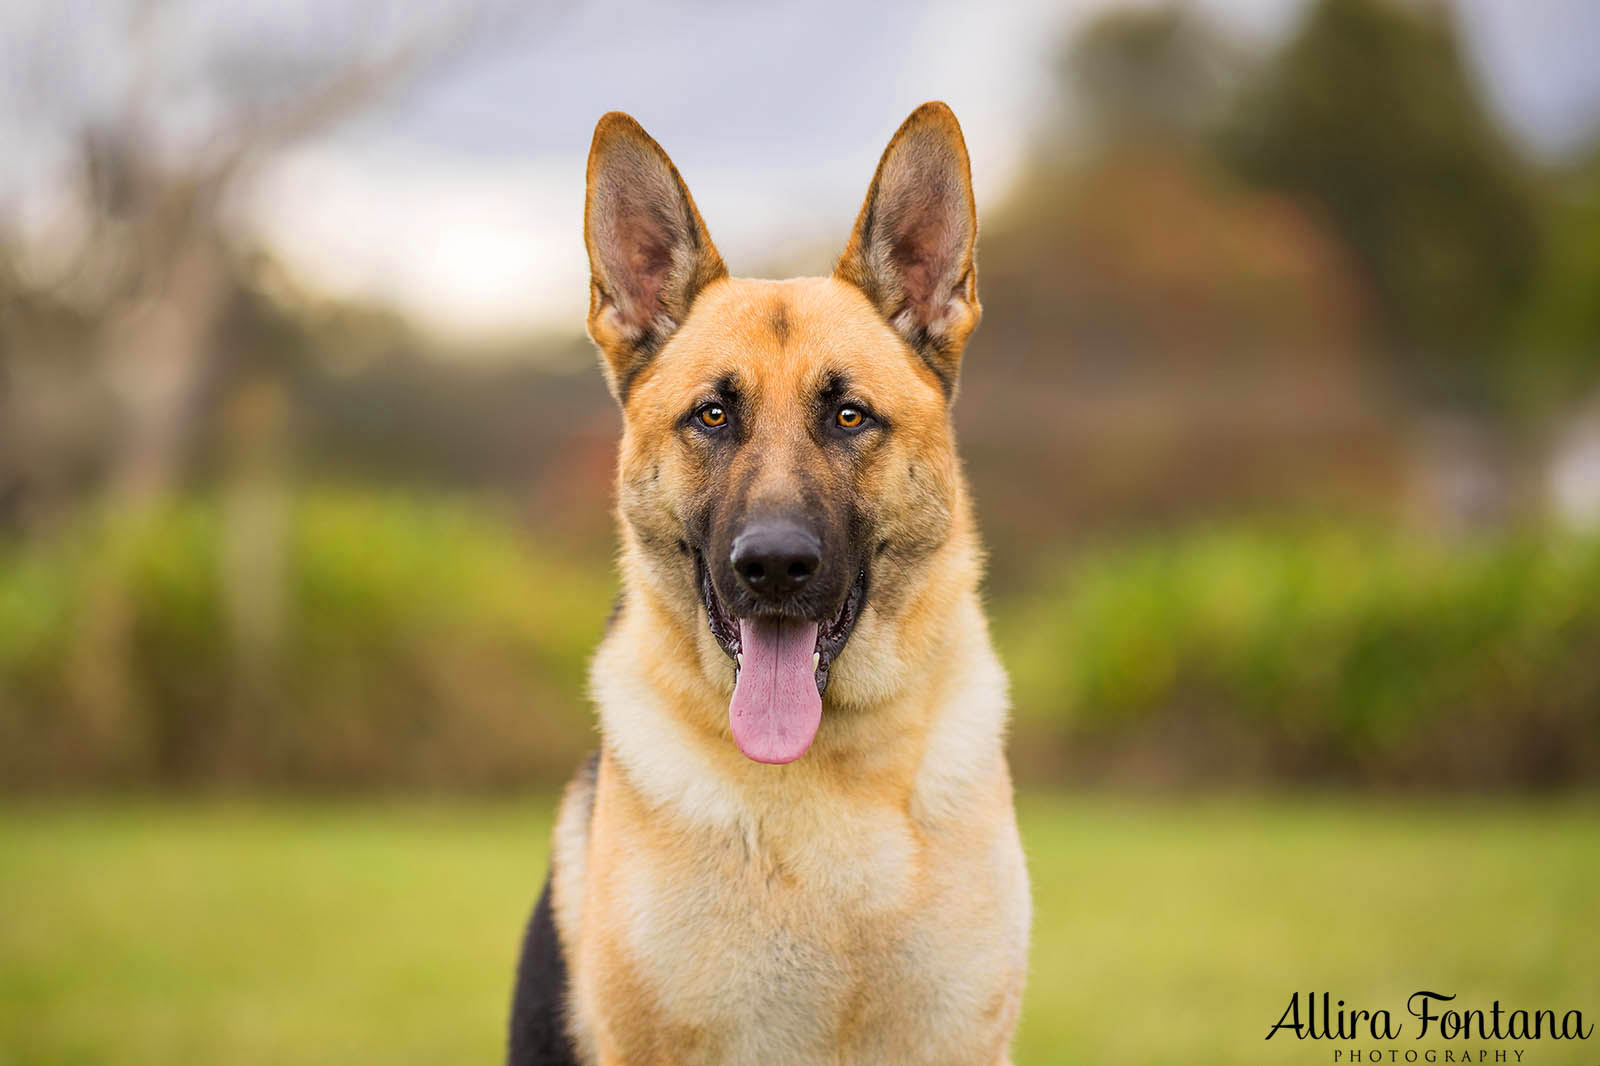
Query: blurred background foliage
point(1284, 427)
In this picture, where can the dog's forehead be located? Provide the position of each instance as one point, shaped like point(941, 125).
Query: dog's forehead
point(777, 339)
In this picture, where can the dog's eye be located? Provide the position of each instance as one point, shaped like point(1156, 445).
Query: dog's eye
point(712, 416)
point(850, 418)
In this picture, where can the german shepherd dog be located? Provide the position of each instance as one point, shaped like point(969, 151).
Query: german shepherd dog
point(797, 842)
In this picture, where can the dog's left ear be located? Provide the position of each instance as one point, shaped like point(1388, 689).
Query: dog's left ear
point(912, 249)
point(649, 252)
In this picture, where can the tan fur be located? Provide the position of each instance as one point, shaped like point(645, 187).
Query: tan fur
point(867, 903)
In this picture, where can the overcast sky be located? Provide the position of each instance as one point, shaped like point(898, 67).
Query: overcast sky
point(461, 200)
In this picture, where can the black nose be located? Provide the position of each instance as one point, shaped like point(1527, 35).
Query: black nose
point(774, 557)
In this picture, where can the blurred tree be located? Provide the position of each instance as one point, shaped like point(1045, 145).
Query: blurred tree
point(147, 120)
point(1558, 338)
point(160, 139)
point(1191, 345)
point(1370, 114)
point(1151, 74)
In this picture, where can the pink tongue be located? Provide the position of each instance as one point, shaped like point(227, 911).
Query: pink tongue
point(776, 706)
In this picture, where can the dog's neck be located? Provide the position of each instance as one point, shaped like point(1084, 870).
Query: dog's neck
point(664, 714)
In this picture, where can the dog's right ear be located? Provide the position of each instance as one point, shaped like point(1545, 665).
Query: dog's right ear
point(649, 252)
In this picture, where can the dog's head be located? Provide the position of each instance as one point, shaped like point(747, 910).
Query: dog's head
point(787, 470)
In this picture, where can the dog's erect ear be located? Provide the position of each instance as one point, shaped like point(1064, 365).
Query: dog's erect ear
point(912, 249)
point(649, 252)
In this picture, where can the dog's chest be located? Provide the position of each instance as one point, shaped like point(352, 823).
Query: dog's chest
point(854, 938)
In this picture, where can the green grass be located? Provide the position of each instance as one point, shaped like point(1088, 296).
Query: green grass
point(1165, 931)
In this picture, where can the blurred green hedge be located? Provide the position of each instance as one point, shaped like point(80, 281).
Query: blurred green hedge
point(403, 641)
point(380, 639)
point(1332, 653)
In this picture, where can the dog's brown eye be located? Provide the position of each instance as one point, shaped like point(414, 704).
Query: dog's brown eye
point(849, 418)
point(712, 416)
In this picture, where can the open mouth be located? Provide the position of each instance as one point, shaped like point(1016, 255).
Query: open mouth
point(832, 635)
point(781, 668)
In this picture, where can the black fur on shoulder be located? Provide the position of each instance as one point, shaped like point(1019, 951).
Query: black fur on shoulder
point(539, 1005)
point(539, 1008)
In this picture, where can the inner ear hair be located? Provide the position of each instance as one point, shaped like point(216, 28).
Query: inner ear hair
point(650, 254)
point(912, 250)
